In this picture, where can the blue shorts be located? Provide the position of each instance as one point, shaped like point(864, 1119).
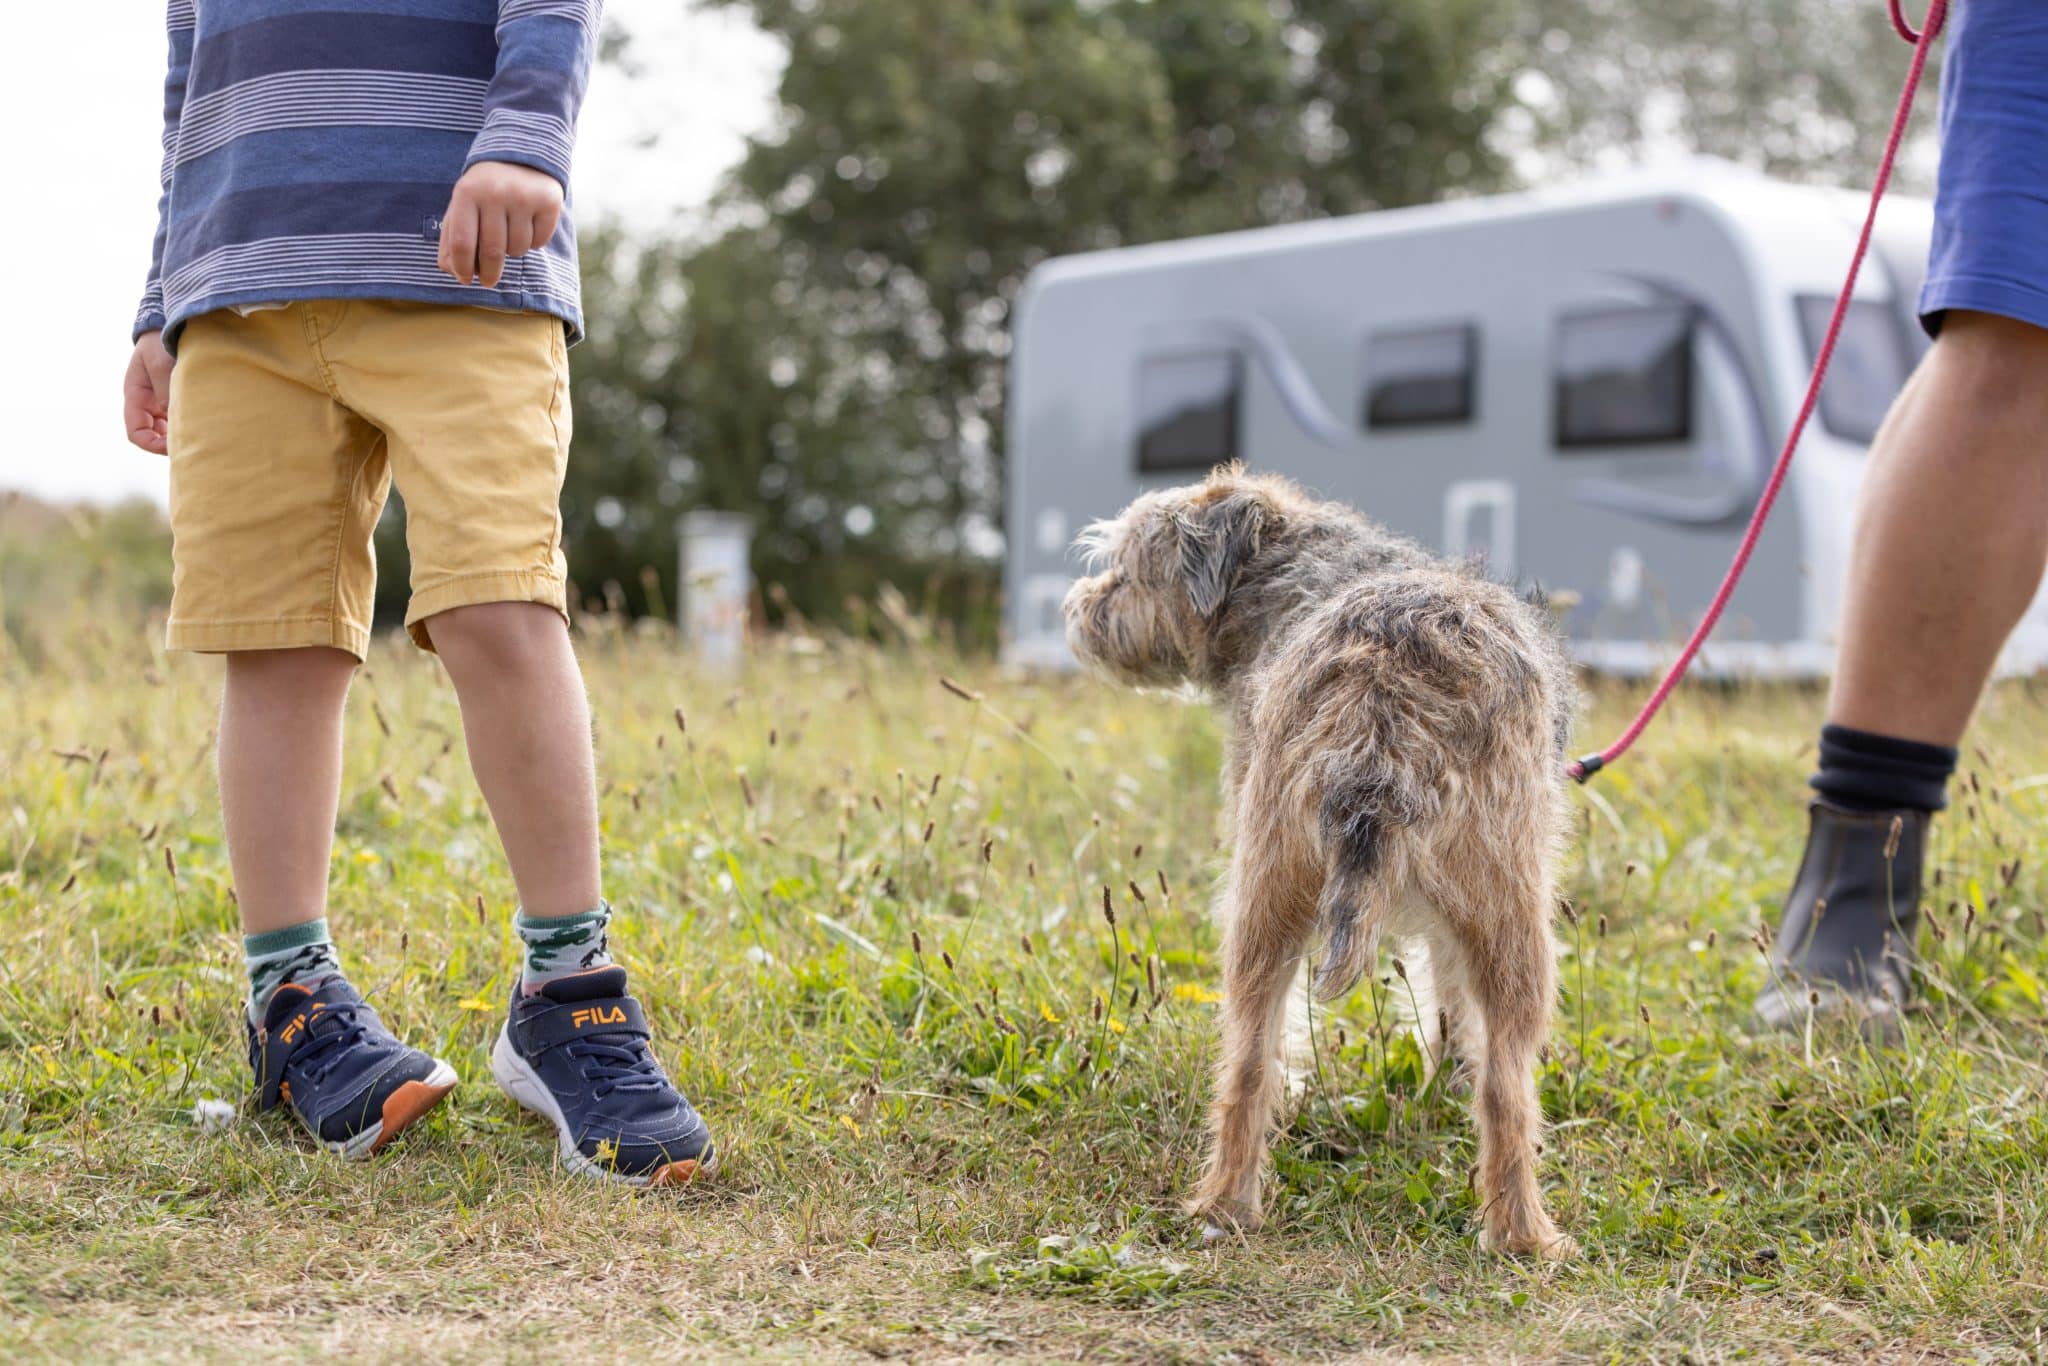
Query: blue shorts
point(1990, 251)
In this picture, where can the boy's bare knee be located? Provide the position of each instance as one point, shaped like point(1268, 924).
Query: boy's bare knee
point(495, 635)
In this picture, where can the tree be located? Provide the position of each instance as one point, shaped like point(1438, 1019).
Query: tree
point(1801, 89)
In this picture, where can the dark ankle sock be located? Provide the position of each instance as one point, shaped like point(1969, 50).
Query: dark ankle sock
point(1865, 772)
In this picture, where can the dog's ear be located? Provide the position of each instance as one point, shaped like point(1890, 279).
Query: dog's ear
point(1215, 541)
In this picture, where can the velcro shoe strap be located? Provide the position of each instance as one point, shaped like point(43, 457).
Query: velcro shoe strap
point(272, 1055)
point(573, 1020)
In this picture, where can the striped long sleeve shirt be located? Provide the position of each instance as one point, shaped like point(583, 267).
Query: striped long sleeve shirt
point(310, 147)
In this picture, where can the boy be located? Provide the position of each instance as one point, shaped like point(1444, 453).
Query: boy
point(365, 268)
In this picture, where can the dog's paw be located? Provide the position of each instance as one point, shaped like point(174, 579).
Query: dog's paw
point(1544, 1244)
point(1223, 1220)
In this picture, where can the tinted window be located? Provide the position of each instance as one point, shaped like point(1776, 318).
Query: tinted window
point(1418, 377)
point(1624, 376)
point(1870, 364)
point(1187, 411)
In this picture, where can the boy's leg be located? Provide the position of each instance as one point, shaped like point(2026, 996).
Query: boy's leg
point(275, 488)
point(475, 406)
point(280, 786)
point(280, 779)
point(527, 722)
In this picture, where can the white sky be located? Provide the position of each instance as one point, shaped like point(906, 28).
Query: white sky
point(84, 175)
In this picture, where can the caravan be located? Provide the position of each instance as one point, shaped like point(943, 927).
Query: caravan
point(1582, 388)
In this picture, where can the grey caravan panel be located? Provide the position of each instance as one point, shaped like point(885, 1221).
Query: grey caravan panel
point(1639, 534)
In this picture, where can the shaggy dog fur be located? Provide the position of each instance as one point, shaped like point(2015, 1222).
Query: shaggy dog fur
point(1398, 730)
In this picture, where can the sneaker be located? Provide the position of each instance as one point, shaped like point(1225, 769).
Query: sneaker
point(1845, 941)
point(576, 1053)
point(323, 1052)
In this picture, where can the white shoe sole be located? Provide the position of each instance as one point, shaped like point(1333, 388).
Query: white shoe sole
point(433, 1087)
point(517, 1079)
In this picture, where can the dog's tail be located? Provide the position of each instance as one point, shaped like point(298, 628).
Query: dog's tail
point(1361, 824)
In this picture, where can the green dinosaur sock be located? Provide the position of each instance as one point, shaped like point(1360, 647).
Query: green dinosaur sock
point(562, 945)
point(296, 953)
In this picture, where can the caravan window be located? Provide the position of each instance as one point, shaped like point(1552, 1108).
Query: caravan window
point(1870, 364)
point(1421, 376)
point(1187, 411)
point(1624, 376)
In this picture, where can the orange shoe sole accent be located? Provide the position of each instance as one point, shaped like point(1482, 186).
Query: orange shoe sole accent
point(404, 1107)
point(674, 1174)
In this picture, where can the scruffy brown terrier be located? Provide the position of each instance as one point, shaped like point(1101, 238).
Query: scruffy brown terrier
point(1398, 729)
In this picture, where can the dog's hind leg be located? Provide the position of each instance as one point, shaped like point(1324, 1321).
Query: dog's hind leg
point(1498, 946)
point(1269, 916)
point(1446, 1026)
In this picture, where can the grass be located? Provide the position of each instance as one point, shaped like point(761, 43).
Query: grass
point(958, 1104)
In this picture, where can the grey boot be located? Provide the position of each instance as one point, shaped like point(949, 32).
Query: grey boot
point(1846, 938)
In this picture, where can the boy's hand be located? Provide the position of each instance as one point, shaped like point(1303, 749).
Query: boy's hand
point(146, 394)
point(499, 210)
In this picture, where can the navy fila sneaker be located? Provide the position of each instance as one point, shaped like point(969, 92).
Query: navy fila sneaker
point(324, 1053)
point(576, 1053)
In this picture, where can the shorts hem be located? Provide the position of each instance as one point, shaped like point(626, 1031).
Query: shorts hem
point(474, 590)
point(277, 633)
point(2021, 303)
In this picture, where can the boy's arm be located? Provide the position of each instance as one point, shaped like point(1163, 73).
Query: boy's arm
point(180, 21)
point(510, 197)
point(146, 389)
point(544, 55)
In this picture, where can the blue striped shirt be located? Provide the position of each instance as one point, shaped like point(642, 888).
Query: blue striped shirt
point(310, 147)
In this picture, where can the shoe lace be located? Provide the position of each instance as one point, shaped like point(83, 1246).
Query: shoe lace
point(330, 1036)
point(616, 1063)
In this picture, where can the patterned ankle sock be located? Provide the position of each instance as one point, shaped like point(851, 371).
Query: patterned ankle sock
point(562, 945)
point(296, 953)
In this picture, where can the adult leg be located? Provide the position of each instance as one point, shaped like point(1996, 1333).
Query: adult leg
point(1951, 533)
point(1951, 538)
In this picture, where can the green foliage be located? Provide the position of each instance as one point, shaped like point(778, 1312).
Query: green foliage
point(61, 567)
point(1080, 1264)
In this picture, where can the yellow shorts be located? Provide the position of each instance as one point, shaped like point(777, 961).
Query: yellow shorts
point(287, 427)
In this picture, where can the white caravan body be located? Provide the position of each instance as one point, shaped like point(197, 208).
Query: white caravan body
point(1583, 387)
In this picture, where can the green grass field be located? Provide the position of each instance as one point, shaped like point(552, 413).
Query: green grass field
point(958, 1105)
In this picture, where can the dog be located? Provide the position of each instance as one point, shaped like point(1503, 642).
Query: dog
point(1395, 770)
